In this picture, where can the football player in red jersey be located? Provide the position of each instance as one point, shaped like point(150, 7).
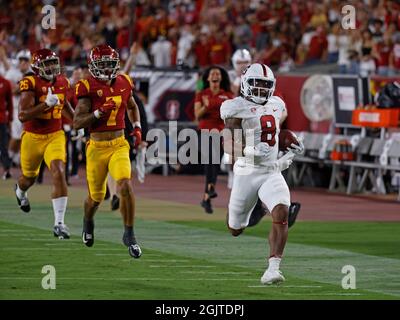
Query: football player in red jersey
point(43, 102)
point(103, 99)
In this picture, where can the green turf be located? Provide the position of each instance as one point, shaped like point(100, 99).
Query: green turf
point(191, 259)
point(372, 238)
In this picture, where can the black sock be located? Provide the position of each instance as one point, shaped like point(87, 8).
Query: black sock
point(129, 231)
point(129, 234)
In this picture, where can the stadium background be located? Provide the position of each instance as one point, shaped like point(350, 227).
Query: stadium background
point(189, 254)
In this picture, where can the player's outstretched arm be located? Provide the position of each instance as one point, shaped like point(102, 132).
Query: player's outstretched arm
point(133, 111)
point(28, 110)
point(134, 118)
point(83, 117)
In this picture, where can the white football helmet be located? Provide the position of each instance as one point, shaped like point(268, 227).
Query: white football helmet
point(24, 54)
point(241, 57)
point(257, 83)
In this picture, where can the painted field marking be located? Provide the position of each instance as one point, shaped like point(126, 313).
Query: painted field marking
point(213, 272)
point(126, 279)
point(188, 266)
point(279, 286)
point(323, 294)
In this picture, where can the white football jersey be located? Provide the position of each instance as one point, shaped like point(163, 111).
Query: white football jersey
point(260, 123)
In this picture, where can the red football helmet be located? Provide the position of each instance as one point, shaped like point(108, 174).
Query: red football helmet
point(46, 64)
point(103, 62)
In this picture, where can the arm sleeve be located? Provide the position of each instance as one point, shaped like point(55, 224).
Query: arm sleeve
point(27, 84)
point(129, 80)
point(82, 89)
point(228, 110)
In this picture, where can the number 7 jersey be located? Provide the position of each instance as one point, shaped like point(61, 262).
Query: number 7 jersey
point(99, 92)
point(260, 123)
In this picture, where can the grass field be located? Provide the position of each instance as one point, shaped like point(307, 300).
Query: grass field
point(187, 255)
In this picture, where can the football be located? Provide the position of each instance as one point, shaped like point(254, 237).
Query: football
point(286, 138)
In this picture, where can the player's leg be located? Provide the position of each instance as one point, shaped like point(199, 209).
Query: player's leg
point(211, 173)
point(294, 210)
point(32, 152)
point(112, 187)
point(242, 201)
point(4, 156)
point(55, 158)
point(120, 169)
point(274, 193)
point(97, 160)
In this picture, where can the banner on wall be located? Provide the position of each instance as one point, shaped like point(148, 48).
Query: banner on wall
point(170, 94)
point(347, 93)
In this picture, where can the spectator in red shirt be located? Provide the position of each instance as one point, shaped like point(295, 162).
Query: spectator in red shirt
point(394, 58)
point(6, 117)
point(318, 47)
point(207, 112)
point(382, 50)
point(202, 50)
point(220, 49)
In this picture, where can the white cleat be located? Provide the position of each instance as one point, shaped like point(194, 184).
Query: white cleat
point(272, 277)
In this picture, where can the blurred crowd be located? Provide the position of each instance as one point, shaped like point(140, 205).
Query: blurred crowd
point(283, 34)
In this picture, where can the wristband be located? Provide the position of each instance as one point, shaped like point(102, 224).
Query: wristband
point(137, 124)
point(97, 114)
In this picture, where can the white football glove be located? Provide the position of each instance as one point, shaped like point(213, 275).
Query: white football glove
point(297, 149)
point(78, 135)
point(285, 161)
point(260, 150)
point(51, 99)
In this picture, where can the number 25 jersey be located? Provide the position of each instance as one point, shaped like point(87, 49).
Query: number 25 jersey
point(99, 92)
point(260, 123)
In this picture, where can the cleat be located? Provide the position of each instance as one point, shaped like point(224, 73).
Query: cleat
point(211, 193)
point(114, 203)
point(61, 231)
point(133, 248)
point(88, 233)
point(294, 210)
point(206, 204)
point(272, 277)
point(257, 214)
point(7, 175)
point(134, 251)
point(23, 203)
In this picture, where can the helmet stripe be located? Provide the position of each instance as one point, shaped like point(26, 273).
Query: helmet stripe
point(264, 70)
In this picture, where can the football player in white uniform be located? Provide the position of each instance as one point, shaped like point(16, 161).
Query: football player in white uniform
point(14, 75)
point(241, 59)
point(257, 170)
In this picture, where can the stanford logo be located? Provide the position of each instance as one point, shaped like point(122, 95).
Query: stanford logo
point(173, 110)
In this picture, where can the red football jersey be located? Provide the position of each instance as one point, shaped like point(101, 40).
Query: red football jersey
point(99, 92)
point(49, 121)
point(212, 118)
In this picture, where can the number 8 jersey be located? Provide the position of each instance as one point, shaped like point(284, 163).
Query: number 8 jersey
point(260, 123)
point(48, 121)
point(99, 92)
